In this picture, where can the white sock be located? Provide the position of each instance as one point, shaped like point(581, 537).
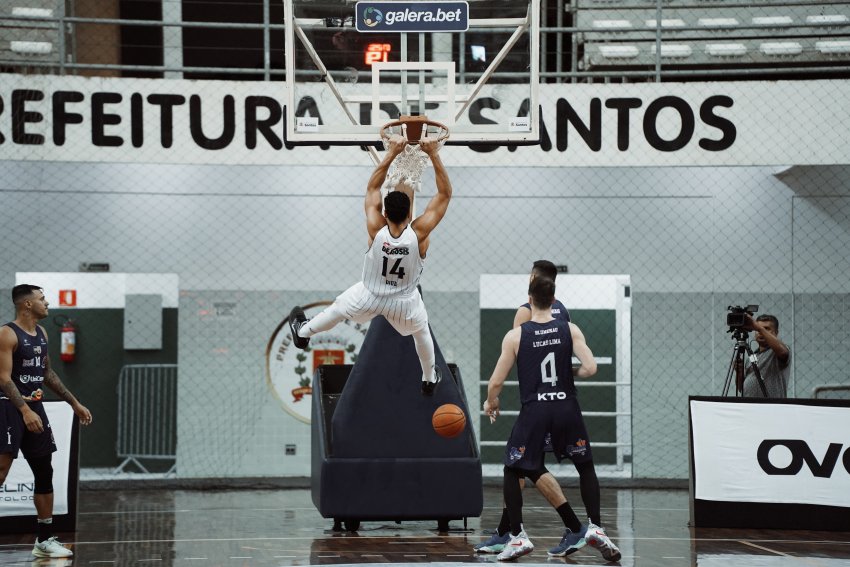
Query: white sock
point(425, 349)
point(324, 321)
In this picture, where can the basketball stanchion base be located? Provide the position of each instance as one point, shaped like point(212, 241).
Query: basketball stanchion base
point(375, 454)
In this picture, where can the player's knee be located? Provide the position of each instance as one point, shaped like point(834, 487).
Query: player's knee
point(5, 465)
point(511, 472)
point(586, 468)
point(42, 473)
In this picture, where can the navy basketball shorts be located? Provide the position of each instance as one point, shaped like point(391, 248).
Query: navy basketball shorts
point(15, 437)
point(558, 419)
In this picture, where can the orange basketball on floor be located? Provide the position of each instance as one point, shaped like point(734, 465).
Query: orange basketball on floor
point(448, 420)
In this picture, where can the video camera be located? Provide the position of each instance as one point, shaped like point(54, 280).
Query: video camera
point(737, 316)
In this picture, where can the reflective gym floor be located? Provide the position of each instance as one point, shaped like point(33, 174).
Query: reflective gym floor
point(244, 528)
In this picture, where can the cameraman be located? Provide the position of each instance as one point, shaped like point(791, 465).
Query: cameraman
point(774, 358)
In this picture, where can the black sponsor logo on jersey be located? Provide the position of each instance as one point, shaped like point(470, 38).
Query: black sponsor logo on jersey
point(399, 251)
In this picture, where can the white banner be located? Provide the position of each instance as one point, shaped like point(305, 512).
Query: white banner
point(17, 492)
point(101, 290)
point(773, 453)
point(61, 118)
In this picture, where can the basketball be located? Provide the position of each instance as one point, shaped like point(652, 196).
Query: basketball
point(448, 421)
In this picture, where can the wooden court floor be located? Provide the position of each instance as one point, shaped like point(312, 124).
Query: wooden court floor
point(246, 528)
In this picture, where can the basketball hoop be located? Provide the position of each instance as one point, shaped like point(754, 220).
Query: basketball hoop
point(408, 166)
point(414, 128)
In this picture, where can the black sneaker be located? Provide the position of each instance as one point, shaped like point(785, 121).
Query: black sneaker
point(428, 388)
point(296, 319)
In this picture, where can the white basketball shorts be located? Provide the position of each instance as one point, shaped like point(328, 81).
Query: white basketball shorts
point(406, 313)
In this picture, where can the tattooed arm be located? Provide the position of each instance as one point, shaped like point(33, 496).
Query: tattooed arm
point(52, 381)
point(8, 344)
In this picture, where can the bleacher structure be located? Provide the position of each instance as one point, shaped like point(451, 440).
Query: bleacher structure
point(711, 33)
point(591, 39)
point(31, 31)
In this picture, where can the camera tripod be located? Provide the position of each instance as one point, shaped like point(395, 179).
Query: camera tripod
point(739, 350)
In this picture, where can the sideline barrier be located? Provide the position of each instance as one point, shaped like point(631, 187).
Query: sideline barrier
point(781, 464)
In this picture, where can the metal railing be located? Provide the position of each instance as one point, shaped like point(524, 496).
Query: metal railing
point(818, 390)
point(582, 37)
point(147, 415)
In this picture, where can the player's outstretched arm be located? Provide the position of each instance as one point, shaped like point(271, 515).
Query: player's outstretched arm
point(583, 353)
point(436, 209)
point(510, 344)
point(374, 207)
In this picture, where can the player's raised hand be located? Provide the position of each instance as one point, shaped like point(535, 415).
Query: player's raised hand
point(396, 144)
point(429, 145)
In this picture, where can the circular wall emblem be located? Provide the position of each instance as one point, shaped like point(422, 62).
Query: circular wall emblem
point(289, 371)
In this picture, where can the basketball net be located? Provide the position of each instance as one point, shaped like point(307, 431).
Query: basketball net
point(408, 166)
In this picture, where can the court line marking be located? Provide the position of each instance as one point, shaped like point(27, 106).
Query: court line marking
point(763, 548)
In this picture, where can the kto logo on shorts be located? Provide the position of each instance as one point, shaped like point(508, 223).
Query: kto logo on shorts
point(412, 16)
point(289, 370)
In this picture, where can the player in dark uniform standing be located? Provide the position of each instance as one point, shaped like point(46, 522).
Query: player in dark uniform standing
point(24, 370)
point(549, 270)
point(546, 484)
point(543, 349)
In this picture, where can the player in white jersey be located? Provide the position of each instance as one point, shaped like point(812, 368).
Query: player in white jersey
point(393, 263)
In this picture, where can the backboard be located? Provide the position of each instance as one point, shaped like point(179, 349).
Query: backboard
point(352, 66)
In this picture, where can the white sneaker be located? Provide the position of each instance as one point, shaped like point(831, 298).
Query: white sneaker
point(518, 546)
point(51, 548)
point(596, 537)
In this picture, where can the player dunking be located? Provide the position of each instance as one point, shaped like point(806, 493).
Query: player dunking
point(393, 264)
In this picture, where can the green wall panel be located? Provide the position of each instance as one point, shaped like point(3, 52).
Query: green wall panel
point(93, 375)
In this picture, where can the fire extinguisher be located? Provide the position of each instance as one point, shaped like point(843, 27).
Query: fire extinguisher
point(69, 341)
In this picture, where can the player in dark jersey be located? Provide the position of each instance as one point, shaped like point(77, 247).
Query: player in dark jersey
point(546, 484)
point(24, 370)
point(546, 269)
point(542, 349)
